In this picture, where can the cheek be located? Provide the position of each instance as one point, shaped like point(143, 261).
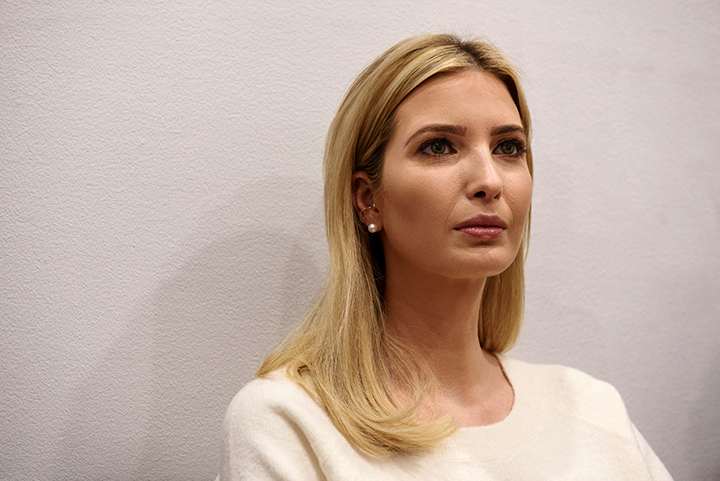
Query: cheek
point(520, 195)
point(418, 198)
point(402, 211)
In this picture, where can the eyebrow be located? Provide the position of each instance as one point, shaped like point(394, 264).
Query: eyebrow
point(460, 130)
point(506, 129)
point(448, 129)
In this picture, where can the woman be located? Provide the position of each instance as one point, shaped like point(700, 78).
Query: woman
point(397, 371)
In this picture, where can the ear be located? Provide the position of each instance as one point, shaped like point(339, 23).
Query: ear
point(363, 200)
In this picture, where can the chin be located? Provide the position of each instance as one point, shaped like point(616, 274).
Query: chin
point(474, 271)
point(487, 265)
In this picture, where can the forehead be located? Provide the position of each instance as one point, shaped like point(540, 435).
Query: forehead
point(469, 97)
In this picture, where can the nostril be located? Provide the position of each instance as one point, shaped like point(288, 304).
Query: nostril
point(480, 194)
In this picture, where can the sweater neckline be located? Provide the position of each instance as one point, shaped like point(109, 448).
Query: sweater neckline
point(511, 435)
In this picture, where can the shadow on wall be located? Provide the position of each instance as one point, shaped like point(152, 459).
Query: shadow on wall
point(153, 406)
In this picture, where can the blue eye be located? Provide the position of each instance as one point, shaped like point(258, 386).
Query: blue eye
point(511, 147)
point(437, 147)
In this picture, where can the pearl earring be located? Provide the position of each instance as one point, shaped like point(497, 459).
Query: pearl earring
point(372, 228)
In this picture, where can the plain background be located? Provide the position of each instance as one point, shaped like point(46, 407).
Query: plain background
point(161, 218)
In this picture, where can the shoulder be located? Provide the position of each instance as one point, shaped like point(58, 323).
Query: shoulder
point(588, 411)
point(272, 429)
point(268, 405)
point(275, 393)
point(571, 392)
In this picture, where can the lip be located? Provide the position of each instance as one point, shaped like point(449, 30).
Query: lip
point(485, 227)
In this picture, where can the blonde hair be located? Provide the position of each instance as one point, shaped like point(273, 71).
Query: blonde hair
point(340, 353)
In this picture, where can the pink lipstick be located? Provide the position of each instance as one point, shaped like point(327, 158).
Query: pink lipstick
point(483, 227)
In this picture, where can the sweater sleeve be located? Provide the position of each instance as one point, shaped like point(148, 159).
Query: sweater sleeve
point(657, 469)
point(261, 438)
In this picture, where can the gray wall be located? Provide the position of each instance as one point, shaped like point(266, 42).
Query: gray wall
point(161, 219)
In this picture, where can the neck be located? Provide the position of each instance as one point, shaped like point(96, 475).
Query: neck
point(438, 318)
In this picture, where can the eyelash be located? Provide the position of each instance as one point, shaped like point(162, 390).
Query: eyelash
point(519, 145)
point(439, 140)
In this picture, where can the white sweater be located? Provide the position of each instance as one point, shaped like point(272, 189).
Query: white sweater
point(564, 425)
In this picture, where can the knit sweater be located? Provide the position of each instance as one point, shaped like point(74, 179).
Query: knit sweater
point(564, 425)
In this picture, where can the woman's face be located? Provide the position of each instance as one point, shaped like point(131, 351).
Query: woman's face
point(456, 189)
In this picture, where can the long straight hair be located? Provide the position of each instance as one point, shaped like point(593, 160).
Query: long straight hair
point(340, 353)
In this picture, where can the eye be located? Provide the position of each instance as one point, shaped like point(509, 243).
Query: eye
point(437, 147)
point(511, 147)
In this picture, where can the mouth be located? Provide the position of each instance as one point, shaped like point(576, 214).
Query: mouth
point(484, 227)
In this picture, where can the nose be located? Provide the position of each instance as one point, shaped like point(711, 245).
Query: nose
point(484, 180)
